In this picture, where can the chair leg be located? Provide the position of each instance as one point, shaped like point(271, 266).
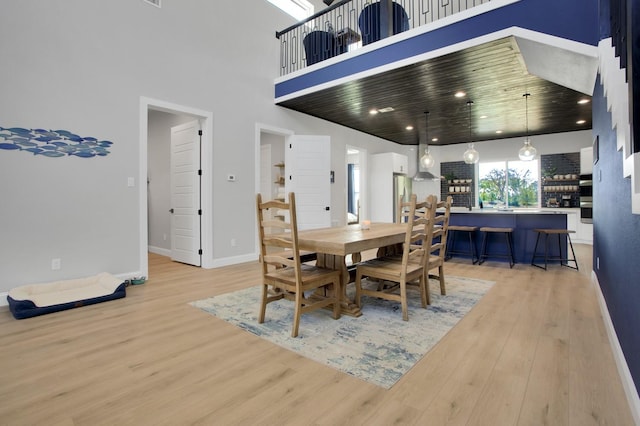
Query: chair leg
point(263, 303)
point(424, 291)
point(403, 301)
point(443, 290)
point(426, 287)
point(296, 314)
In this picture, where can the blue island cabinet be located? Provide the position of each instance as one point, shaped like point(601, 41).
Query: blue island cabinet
point(524, 236)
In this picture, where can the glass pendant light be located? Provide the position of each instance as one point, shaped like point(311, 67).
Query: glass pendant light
point(427, 161)
point(470, 156)
point(528, 151)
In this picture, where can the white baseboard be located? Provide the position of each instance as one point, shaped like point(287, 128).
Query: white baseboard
point(218, 263)
point(159, 250)
point(623, 369)
point(3, 299)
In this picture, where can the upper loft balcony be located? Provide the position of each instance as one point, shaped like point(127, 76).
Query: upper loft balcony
point(355, 56)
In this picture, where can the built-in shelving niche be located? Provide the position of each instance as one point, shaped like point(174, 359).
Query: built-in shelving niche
point(461, 171)
point(559, 178)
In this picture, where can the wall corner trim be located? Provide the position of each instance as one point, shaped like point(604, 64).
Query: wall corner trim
point(623, 369)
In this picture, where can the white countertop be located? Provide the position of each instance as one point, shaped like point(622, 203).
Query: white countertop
point(545, 210)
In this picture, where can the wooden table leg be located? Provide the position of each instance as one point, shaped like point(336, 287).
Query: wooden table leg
point(338, 262)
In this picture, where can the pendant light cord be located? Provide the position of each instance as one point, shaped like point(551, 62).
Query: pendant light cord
point(526, 112)
point(426, 130)
point(469, 103)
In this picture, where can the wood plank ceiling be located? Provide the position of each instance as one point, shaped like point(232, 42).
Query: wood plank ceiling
point(492, 75)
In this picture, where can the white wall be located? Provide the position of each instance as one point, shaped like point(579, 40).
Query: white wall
point(82, 66)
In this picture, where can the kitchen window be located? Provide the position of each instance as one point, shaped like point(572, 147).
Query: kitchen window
point(509, 184)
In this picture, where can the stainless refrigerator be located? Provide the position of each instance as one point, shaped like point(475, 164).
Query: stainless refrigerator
point(401, 188)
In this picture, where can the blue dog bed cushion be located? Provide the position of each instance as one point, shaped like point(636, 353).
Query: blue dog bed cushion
point(38, 299)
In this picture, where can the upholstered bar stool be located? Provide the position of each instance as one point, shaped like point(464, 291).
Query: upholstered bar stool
point(508, 233)
point(471, 232)
point(547, 256)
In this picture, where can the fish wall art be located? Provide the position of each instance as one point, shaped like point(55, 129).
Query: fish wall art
point(52, 143)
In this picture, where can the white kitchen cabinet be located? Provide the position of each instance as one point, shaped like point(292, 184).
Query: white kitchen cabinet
point(586, 161)
point(572, 222)
point(383, 168)
point(584, 233)
point(400, 162)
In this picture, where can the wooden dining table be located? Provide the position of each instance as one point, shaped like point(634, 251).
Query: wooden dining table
point(334, 245)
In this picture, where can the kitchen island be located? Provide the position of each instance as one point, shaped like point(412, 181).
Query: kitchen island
point(523, 222)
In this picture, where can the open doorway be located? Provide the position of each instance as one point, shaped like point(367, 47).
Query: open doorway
point(356, 165)
point(156, 120)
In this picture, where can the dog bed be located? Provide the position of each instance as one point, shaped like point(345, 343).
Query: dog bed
point(39, 299)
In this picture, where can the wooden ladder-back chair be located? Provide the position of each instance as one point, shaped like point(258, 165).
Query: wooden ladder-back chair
point(402, 215)
point(439, 241)
point(283, 273)
point(402, 269)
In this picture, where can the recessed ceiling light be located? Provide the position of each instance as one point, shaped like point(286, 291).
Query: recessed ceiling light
point(498, 131)
point(434, 140)
point(460, 95)
point(409, 127)
point(583, 101)
point(373, 111)
point(483, 116)
point(581, 121)
point(387, 109)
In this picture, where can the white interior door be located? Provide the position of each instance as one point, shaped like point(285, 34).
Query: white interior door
point(307, 174)
point(185, 193)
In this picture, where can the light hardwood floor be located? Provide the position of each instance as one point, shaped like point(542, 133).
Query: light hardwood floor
point(534, 351)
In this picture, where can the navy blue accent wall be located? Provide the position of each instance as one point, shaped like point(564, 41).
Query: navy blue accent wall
point(575, 20)
point(616, 237)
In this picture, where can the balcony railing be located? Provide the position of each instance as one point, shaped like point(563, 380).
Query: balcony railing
point(350, 24)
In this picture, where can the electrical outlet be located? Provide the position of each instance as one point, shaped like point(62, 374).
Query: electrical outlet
point(55, 264)
point(233, 242)
point(164, 237)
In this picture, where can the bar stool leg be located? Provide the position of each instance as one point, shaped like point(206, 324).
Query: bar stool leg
point(546, 250)
point(483, 254)
point(560, 250)
point(511, 258)
point(450, 247)
point(575, 260)
point(535, 250)
point(473, 250)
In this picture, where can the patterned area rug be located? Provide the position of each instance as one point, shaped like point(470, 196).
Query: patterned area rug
point(377, 347)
